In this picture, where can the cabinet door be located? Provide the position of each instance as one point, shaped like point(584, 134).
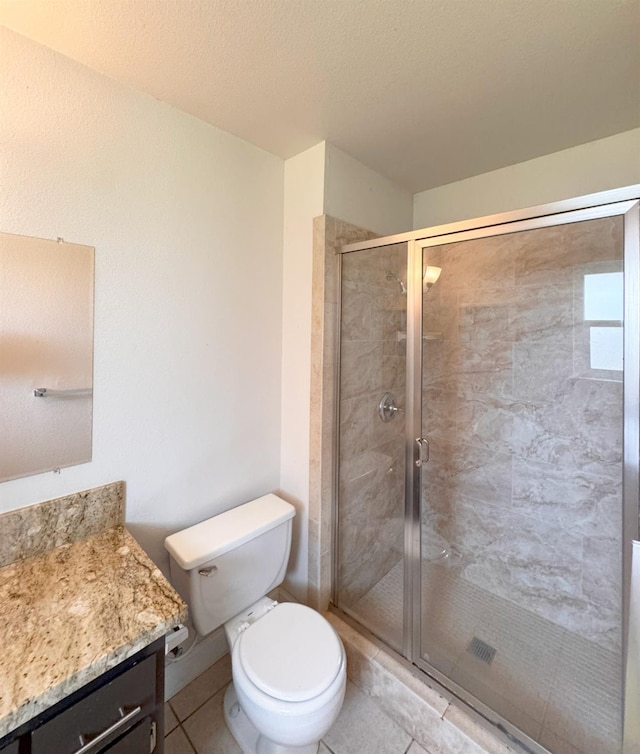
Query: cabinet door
point(11, 748)
point(102, 716)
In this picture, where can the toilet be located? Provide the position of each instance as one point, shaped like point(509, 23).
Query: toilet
point(288, 664)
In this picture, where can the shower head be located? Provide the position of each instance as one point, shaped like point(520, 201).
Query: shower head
point(403, 287)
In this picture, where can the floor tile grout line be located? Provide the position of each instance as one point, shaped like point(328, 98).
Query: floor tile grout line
point(199, 707)
point(191, 744)
point(167, 732)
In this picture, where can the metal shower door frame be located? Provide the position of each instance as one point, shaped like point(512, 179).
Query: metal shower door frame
point(558, 214)
point(623, 201)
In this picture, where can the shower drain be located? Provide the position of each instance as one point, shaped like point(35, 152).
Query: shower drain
point(481, 650)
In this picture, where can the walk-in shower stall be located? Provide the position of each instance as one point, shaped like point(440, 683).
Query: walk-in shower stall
point(486, 472)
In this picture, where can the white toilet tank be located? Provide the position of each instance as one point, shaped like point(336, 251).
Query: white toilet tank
point(224, 564)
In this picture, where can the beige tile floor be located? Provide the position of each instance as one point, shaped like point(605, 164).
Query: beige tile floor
point(194, 722)
point(557, 687)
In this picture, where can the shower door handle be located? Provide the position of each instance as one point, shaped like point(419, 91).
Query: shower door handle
point(423, 451)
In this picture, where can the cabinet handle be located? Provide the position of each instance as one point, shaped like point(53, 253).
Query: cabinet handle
point(124, 719)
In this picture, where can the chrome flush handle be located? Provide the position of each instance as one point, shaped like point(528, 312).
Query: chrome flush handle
point(210, 571)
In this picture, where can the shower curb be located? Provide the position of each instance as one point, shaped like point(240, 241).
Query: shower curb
point(439, 723)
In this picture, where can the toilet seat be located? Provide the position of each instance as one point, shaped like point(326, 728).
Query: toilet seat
point(292, 653)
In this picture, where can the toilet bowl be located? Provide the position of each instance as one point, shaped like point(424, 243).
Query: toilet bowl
point(289, 678)
point(288, 663)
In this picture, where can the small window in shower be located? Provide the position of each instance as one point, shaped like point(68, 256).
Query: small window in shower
point(603, 303)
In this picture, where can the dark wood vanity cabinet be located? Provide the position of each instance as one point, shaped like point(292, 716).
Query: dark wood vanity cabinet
point(121, 712)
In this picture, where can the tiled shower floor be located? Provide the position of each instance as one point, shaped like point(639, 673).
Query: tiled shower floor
point(557, 687)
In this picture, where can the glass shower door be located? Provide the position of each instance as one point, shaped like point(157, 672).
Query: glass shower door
point(520, 594)
point(371, 440)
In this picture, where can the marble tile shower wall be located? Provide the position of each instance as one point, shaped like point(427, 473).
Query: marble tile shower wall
point(524, 481)
point(329, 235)
point(373, 354)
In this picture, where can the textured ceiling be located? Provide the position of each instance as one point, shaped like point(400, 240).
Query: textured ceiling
point(424, 91)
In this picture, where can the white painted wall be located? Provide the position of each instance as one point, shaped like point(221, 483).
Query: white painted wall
point(322, 180)
point(303, 200)
point(359, 195)
point(597, 166)
point(203, 301)
point(187, 226)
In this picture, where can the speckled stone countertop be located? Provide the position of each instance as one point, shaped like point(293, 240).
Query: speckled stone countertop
point(71, 613)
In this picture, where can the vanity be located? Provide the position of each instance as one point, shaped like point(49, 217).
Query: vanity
point(84, 615)
point(83, 610)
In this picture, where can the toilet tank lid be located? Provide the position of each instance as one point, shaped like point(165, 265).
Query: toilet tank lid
point(209, 539)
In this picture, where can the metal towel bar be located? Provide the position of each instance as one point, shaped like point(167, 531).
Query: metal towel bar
point(81, 392)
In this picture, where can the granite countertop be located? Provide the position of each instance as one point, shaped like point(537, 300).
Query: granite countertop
point(71, 613)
